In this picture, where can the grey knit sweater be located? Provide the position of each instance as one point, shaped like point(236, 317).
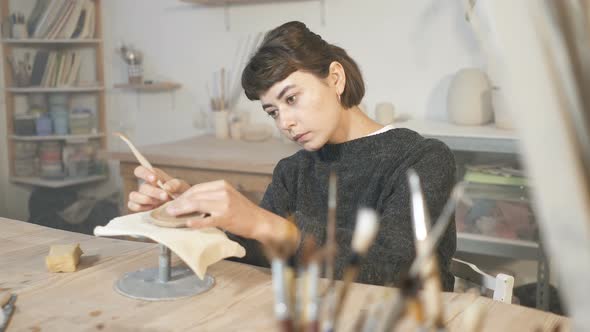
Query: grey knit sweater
point(371, 173)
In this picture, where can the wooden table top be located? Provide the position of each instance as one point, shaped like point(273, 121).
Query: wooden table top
point(208, 152)
point(240, 300)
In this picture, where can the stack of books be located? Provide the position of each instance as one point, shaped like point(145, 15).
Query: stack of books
point(55, 68)
point(62, 19)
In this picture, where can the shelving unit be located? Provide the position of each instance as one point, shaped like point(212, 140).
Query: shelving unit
point(95, 90)
point(227, 3)
point(35, 41)
point(56, 137)
point(155, 87)
point(492, 141)
point(466, 138)
point(35, 181)
point(75, 89)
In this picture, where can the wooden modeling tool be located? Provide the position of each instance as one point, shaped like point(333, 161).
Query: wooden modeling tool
point(430, 274)
point(143, 161)
point(365, 232)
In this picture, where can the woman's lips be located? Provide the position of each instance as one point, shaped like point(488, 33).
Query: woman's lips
point(301, 137)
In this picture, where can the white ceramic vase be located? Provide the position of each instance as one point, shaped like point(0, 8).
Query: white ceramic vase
point(469, 101)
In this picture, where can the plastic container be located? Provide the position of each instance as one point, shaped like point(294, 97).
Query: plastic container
point(497, 211)
point(25, 150)
point(37, 100)
point(60, 119)
point(53, 170)
point(24, 125)
point(77, 159)
point(80, 121)
point(26, 167)
point(50, 152)
point(58, 99)
point(44, 125)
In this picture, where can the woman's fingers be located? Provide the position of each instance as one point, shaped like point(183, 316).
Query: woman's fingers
point(142, 199)
point(138, 208)
point(202, 222)
point(176, 186)
point(145, 174)
point(153, 192)
point(210, 186)
point(190, 204)
point(151, 176)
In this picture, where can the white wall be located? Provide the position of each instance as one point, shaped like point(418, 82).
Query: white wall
point(406, 50)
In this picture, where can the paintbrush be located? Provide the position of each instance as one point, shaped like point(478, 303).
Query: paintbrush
point(331, 227)
point(432, 294)
point(310, 301)
point(143, 161)
point(365, 232)
point(430, 244)
point(330, 296)
point(282, 279)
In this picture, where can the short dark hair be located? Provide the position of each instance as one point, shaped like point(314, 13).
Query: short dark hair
point(291, 47)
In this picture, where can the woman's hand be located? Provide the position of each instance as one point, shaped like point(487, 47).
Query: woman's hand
point(149, 196)
point(232, 211)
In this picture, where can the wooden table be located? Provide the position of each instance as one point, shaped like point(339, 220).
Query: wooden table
point(240, 301)
point(247, 166)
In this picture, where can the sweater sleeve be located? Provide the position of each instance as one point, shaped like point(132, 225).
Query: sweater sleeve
point(394, 250)
point(277, 199)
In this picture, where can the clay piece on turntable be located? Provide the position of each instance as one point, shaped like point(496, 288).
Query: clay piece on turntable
point(162, 218)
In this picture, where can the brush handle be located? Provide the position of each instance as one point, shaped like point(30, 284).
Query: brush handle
point(350, 275)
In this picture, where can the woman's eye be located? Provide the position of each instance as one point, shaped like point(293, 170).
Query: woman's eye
point(273, 114)
point(290, 100)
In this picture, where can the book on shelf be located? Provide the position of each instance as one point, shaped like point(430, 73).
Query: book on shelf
point(55, 68)
point(62, 19)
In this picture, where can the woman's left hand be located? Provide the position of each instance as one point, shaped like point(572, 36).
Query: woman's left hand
point(228, 208)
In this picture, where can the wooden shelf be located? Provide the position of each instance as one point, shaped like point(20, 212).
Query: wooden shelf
point(56, 137)
point(36, 181)
point(236, 2)
point(49, 90)
point(496, 246)
point(34, 41)
point(466, 138)
point(156, 86)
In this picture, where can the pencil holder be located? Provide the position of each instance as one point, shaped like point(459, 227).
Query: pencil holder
point(19, 31)
point(221, 124)
point(135, 72)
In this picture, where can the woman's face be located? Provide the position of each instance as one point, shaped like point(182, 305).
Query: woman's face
point(305, 108)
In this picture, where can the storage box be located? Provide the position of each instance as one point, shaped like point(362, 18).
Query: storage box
point(24, 125)
point(497, 211)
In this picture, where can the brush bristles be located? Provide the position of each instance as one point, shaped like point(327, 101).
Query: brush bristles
point(365, 230)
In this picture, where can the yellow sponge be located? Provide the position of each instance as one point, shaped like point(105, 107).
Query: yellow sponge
point(63, 257)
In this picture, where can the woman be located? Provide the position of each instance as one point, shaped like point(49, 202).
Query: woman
point(312, 90)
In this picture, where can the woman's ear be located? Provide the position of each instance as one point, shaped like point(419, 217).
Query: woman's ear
point(337, 77)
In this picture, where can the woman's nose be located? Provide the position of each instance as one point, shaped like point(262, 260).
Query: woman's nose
point(286, 119)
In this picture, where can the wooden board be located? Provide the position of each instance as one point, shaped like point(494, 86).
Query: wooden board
point(241, 299)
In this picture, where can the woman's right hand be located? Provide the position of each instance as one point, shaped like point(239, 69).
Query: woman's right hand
point(149, 196)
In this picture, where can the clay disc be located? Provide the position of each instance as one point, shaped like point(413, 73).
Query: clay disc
point(161, 218)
